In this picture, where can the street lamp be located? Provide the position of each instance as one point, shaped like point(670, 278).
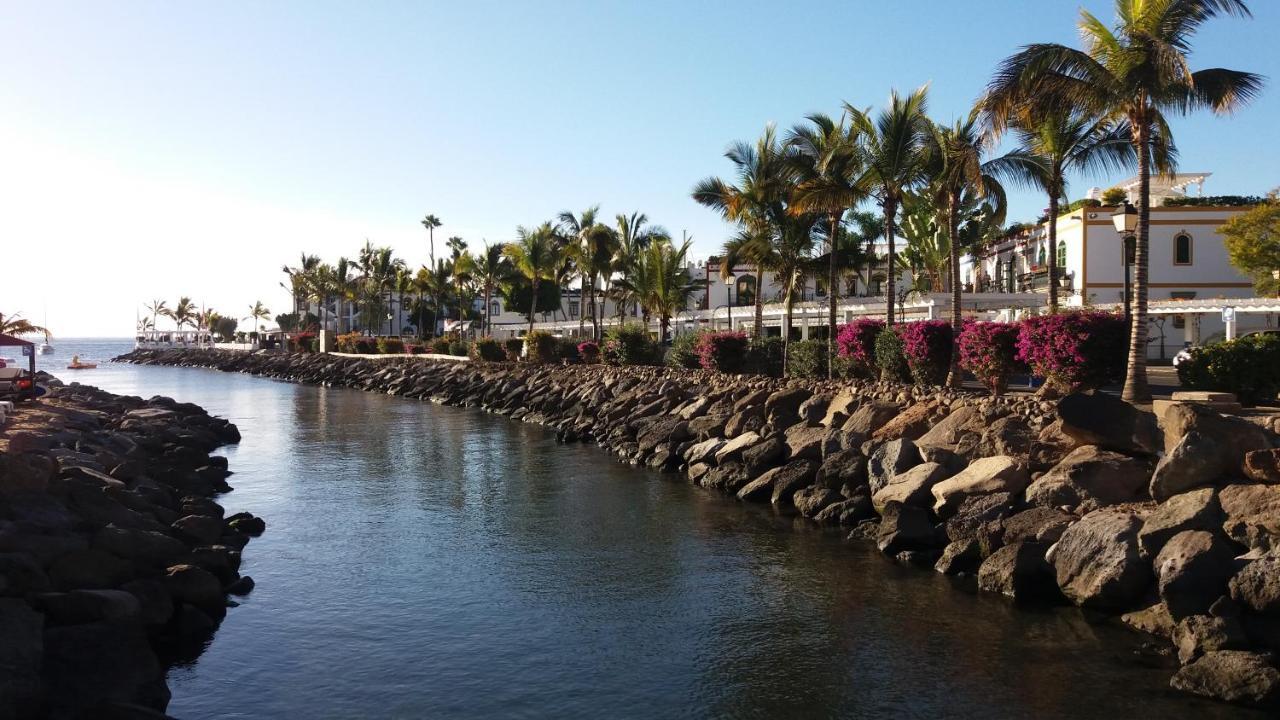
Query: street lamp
point(729, 280)
point(1125, 219)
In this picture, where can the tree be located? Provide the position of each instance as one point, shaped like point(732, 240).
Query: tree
point(536, 254)
point(157, 308)
point(431, 222)
point(299, 279)
point(1136, 72)
point(492, 270)
point(16, 325)
point(830, 180)
point(1253, 243)
point(257, 313)
point(183, 313)
point(745, 248)
point(633, 235)
point(893, 142)
point(662, 284)
point(592, 248)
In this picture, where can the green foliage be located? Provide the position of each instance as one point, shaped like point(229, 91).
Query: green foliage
point(1215, 201)
point(889, 356)
point(629, 345)
point(807, 359)
point(683, 352)
point(764, 356)
point(225, 328)
point(390, 345)
point(439, 345)
point(513, 347)
point(567, 349)
point(1114, 196)
point(1252, 239)
point(458, 348)
point(1248, 366)
point(540, 347)
point(488, 349)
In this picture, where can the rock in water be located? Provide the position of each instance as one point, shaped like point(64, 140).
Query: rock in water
point(1018, 571)
point(1000, 474)
point(1097, 563)
point(1195, 510)
point(1236, 676)
point(1192, 572)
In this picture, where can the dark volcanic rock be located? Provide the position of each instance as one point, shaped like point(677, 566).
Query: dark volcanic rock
point(1097, 562)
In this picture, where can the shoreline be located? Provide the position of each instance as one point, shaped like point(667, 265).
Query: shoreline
point(116, 561)
point(1085, 500)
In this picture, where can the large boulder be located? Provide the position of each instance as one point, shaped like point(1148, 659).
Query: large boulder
point(910, 423)
point(904, 528)
point(763, 455)
point(729, 477)
point(1108, 422)
point(1089, 478)
point(976, 512)
point(780, 483)
point(1234, 436)
point(89, 665)
point(1050, 446)
point(1018, 571)
point(197, 587)
point(959, 557)
point(1038, 524)
point(1236, 676)
point(811, 500)
point(1198, 634)
point(950, 431)
point(840, 407)
point(733, 449)
point(782, 408)
point(1097, 563)
point(1008, 435)
point(804, 442)
point(21, 652)
point(1257, 586)
point(870, 416)
point(912, 487)
point(1195, 461)
point(889, 459)
point(704, 451)
point(89, 569)
point(1192, 571)
point(844, 469)
point(146, 546)
point(1195, 510)
point(1252, 514)
point(846, 512)
point(1000, 474)
point(1263, 465)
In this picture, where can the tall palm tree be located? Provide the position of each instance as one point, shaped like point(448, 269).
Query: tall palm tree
point(586, 236)
point(16, 325)
point(1136, 72)
point(746, 248)
point(831, 180)
point(1059, 138)
point(536, 254)
point(343, 290)
point(183, 313)
point(298, 279)
point(758, 199)
point(894, 142)
point(431, 222)
point(491, 269)
point(666, 283)
point(157, 308)
point(257, 313)
point(634, 234)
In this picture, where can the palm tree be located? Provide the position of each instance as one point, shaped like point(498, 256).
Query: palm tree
point(893, 143)
point(584, 234)
point(634, 234)
point(1059, 138)
point(298, 277)
point(14, 324)
point(257, 313)
point(183, 313)
point(157, 308)
point(431, 222)
point(343, 289)
point(831, 177)
point(536, 254)
point(666, 283)
point(491, 269)
point(758, 200)
point(1137, 73)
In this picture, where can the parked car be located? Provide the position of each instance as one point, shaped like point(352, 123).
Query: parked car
point(1185, 353)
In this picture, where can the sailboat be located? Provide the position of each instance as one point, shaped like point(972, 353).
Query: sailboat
point(45, 347)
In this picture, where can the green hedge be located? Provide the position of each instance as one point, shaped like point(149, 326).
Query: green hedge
point(1248, 366)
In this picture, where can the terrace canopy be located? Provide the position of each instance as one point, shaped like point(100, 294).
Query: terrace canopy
point(29, 350)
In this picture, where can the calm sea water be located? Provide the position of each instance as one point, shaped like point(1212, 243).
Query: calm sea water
point(423, 561)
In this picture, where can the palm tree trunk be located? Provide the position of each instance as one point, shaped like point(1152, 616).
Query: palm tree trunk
point(533, 304)
point(832, 290)
point(488, 307)
point(1135, 378)
point(890, 209)
point(1053, 240)
point(953, 228)
point(786, 324)
point(759, 324)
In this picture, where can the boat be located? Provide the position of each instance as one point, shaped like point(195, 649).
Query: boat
point(45, 347)
point(82, 366)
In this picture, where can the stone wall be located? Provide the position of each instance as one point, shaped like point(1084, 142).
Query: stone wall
point(115, 561)
point(1173, 526)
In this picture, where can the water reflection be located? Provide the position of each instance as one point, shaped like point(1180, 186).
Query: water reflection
point(425, 561)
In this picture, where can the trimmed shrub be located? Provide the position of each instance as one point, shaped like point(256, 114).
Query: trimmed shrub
point(764, 356)
point(683, 352)
point(723, 351)
point(1074, 349)
point(458, 348)
point(488, 349)
point(857, 342)
point(540, 347)
point(889, 356)
point(414, 349)
point(989, 350)
point(589, 352)
point(439, 345)
point(513, 347)
point(390, 345)
point(807, 359)
point(347, 343)
point(629, 345)
point(926, 346)
point(1247, 366)
point(303, 342)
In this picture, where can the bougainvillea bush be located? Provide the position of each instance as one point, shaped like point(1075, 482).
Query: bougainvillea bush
point(589, 352)
point(1072, 350)
point(723, 351)
point(926, 347)
point(857, 342)
point(989, 350)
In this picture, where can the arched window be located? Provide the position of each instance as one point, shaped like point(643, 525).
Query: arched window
point(495, 308)
point(1041, 260)
point(1009, 277)
point(1062, 254)
point(999, 273)
point(1182, 249)
point(745, 291)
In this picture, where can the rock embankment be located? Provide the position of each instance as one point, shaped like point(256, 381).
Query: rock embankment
point(1172, 525)
point(114, 558)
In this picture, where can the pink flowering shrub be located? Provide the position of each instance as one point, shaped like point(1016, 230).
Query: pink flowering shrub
point(989, 350)
point(589, 352)
point(1074, 349)
point(857, 342)
point(723, 351)
point(926, 346)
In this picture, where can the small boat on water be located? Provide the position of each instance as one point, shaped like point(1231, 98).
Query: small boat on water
point(45, 347)
point(77, 365)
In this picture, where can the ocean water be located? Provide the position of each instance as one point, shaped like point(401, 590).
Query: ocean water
point(432, 562)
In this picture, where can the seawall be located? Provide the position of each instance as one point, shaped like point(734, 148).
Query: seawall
point(1171, 526)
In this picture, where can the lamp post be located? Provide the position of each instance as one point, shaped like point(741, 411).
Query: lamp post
point(1125, 220)
point(729, 280)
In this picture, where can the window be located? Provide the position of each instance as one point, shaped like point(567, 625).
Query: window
point(573, 309)
point(745, 292)
point(1009, 277)
point(495, 308)
point(1062, 254)
point(1182, 249)
point(1041, 260)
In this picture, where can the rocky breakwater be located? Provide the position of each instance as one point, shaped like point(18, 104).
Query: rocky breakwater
point(114, 558)
point(1171, 525)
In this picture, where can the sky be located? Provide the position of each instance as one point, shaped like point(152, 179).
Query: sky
point(157, 149)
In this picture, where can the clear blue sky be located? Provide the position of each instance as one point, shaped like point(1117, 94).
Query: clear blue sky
point(158, 148)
